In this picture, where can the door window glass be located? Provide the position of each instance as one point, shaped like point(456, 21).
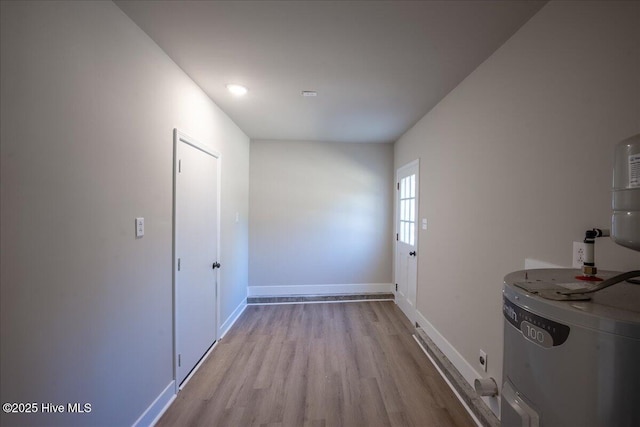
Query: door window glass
point(407, 229)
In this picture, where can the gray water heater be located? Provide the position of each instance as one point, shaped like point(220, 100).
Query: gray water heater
point(570, 363)
point(572, 347)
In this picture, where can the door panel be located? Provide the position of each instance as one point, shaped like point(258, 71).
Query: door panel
point(196, 251)
point(407, 238)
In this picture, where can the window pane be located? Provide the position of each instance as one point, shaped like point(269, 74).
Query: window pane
point(412, 191)
point(401, 231)
point(402, 209)
point(402, 189)
point(406, 187)
point(412, 233)
point(412, 210)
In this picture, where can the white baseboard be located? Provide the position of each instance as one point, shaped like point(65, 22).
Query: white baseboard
point(467, 371)
point(451, 386)
point(200, 363)
point(153, 413)
point(159, 406)
point(353, 288)
point(222, 331)
point(224, 328)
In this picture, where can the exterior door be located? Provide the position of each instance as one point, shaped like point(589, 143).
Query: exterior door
point(407, 179)
point(196, 204)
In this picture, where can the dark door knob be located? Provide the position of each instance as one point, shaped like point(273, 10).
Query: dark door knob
point(216, 265)
point(412, 253)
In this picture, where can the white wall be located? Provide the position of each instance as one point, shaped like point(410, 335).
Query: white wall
point(320, 214)
point(516, 163)
point(88, 105)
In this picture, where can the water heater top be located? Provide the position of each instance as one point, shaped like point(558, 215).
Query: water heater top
point(615, 309)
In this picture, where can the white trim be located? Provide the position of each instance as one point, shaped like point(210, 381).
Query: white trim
point(179, 136)
point(451, 386)
point(183, 137)
point(467, 371)
point(158, 407)
point(222, 331)
point(353, 288)
point(411, 164)
point(195, 368)
point(228, 324)
point(166, 398)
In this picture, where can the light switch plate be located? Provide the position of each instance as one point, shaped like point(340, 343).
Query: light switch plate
point(139, 227)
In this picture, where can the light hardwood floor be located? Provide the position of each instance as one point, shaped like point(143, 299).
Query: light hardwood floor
point(329, 364)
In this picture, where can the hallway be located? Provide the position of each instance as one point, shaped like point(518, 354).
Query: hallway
point(332, 364)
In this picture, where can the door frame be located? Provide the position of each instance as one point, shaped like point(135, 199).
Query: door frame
point(181, 137)
point(396, 209)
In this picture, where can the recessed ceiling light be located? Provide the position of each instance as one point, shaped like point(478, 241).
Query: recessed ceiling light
point(237, 90)
point(309, 93)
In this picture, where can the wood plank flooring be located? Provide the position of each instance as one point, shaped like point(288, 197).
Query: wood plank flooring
point(329, 364)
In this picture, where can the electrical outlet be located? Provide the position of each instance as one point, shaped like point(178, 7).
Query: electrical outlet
point(483, 360)
point(578, 254)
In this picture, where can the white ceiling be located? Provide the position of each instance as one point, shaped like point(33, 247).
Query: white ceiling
point(378, 66)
